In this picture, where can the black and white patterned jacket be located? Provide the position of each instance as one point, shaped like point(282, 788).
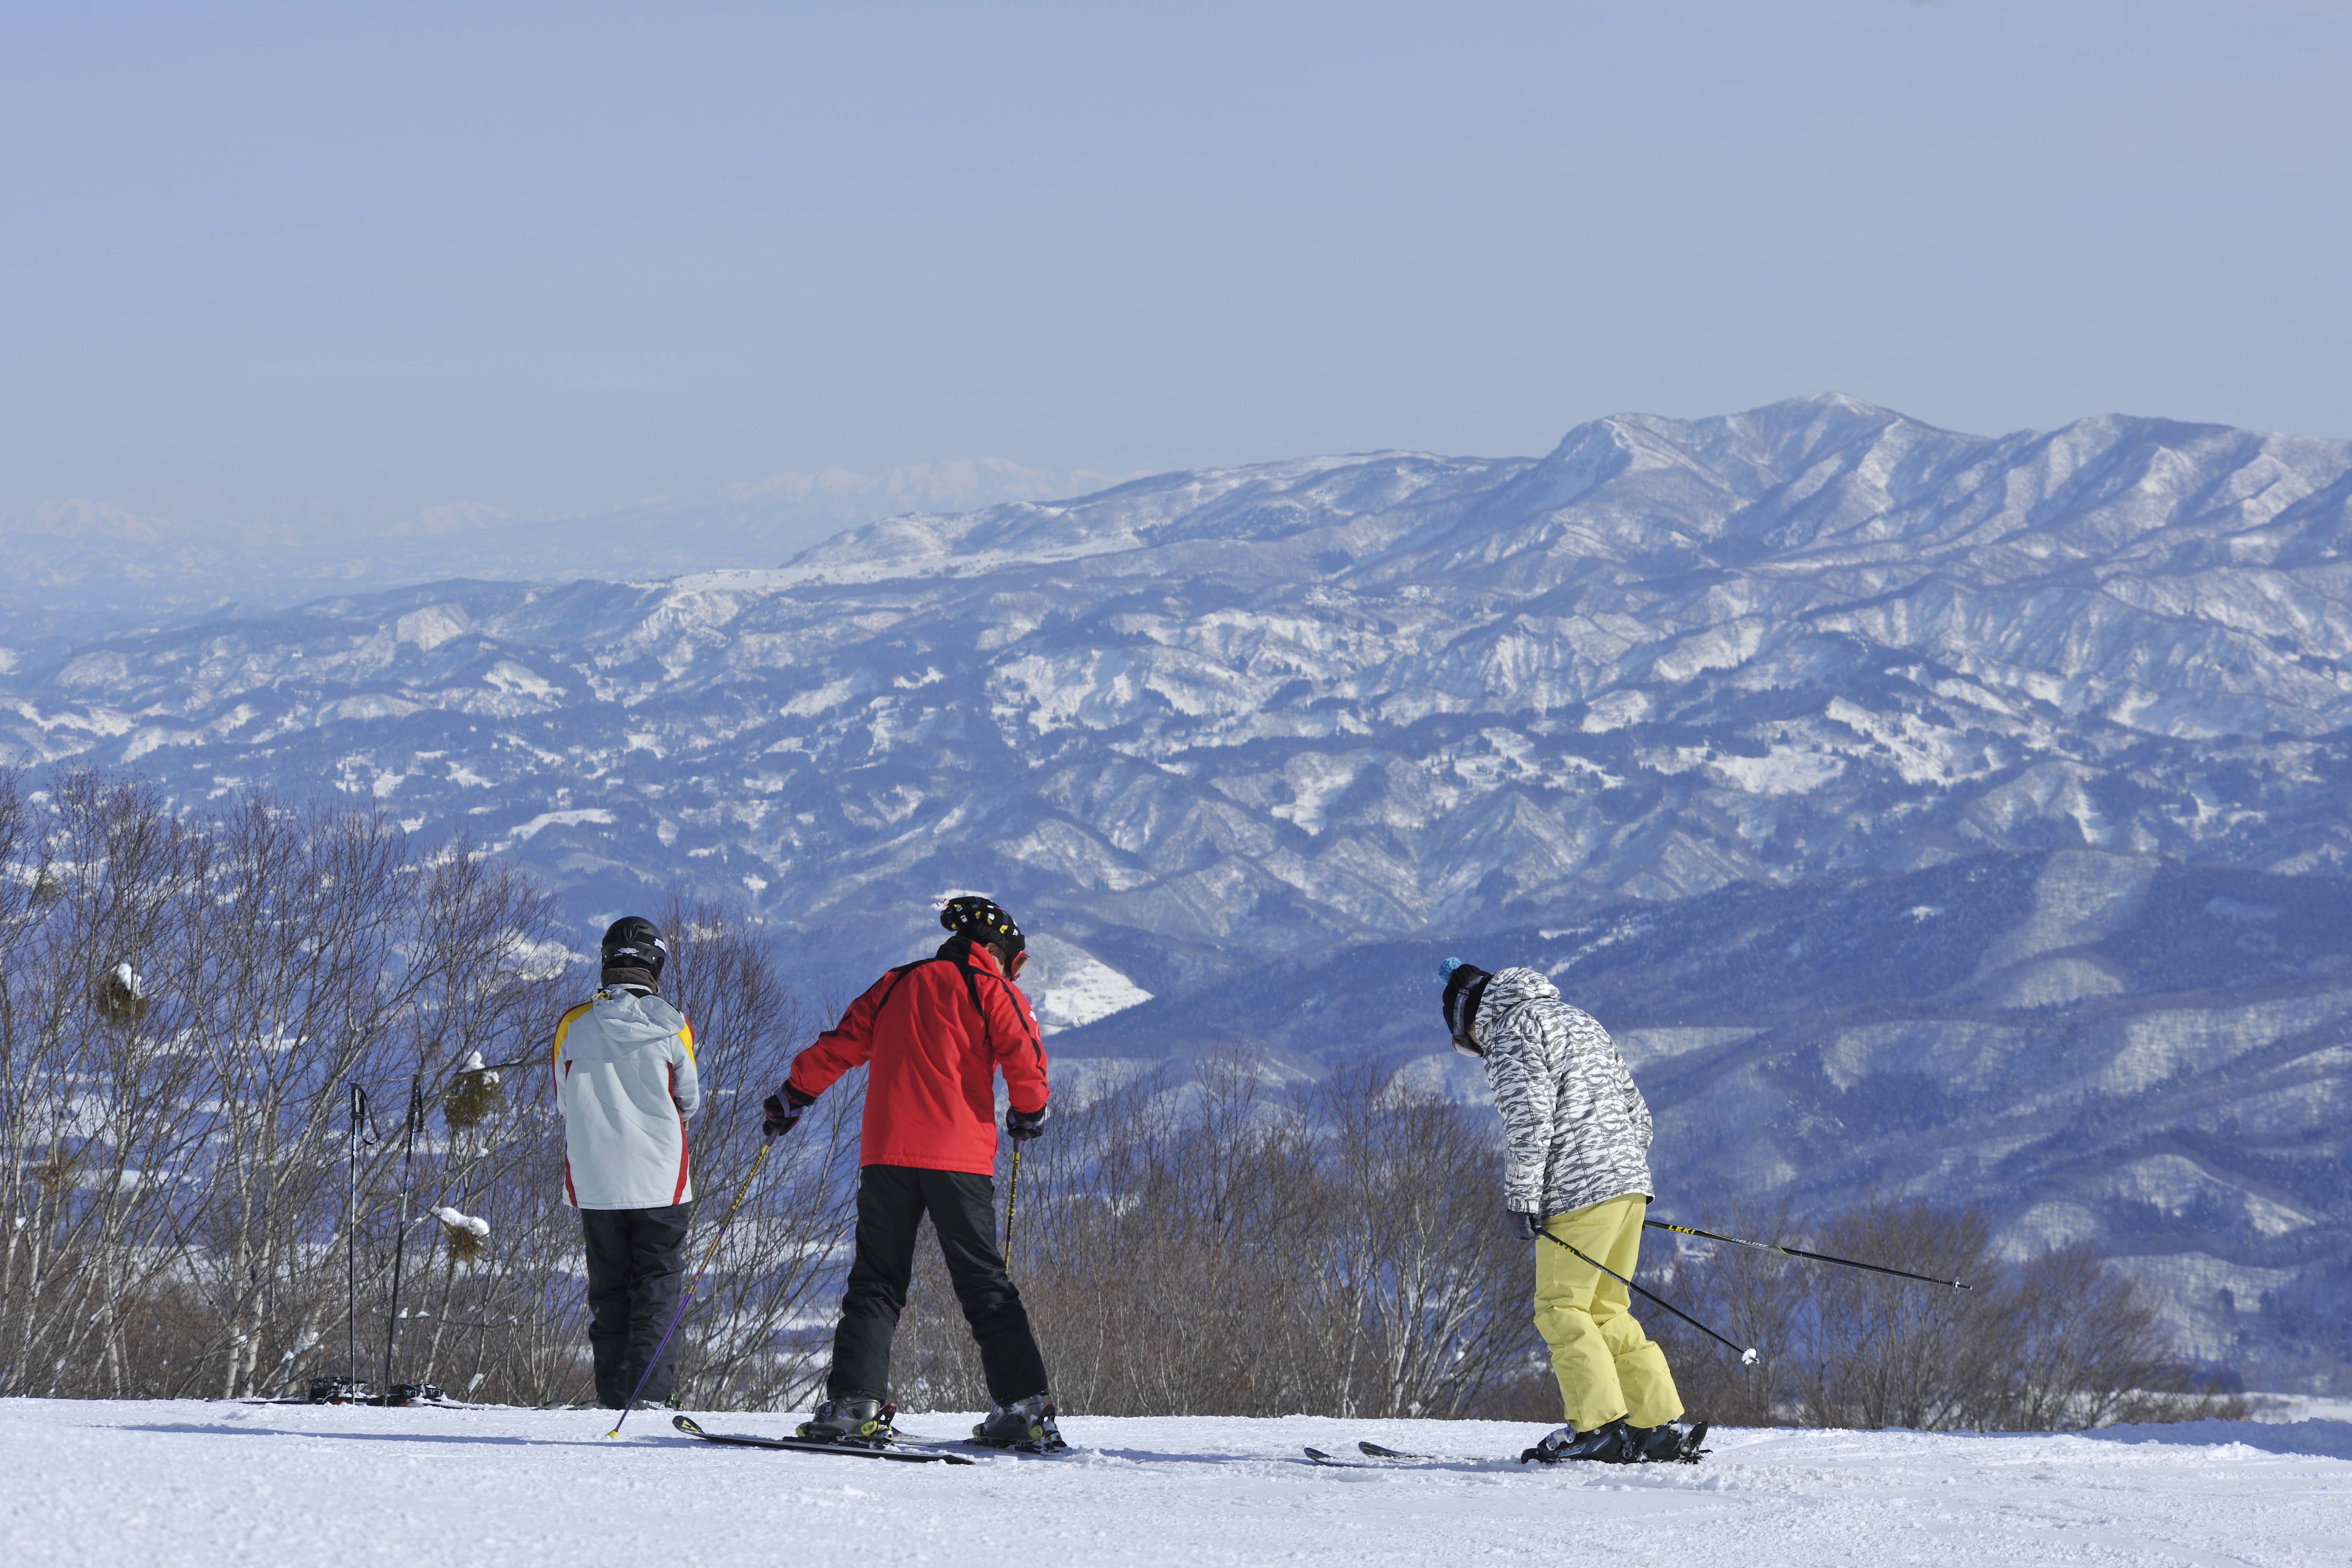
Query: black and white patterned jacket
point(1572, 1115)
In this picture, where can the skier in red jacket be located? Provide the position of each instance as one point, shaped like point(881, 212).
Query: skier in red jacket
point(937, 1032)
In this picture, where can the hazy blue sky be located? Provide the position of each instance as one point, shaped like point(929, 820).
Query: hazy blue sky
point(550, 256)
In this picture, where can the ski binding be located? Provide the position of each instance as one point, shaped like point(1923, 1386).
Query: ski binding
point(905, 1453)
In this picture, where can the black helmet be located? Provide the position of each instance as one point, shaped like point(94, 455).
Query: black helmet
point(633, 942)
point(1466, 987)
point(981, 920)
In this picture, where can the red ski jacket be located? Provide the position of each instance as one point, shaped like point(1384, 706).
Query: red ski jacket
point(936, 1031)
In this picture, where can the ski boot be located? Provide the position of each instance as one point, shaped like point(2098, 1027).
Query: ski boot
point(1667, 1444)
point(857, 1420)
point(1609, 1445)
point(1026, 1425)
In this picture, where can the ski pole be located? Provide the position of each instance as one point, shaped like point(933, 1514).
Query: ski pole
point(400, 1237)
point(1012, 1196)
point(352, 1243)
point(1746, 1356)
point(1801, 1252)
point(654, 1360)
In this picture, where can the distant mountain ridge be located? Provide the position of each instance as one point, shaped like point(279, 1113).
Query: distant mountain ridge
point(171, 552)
point(1208, 726)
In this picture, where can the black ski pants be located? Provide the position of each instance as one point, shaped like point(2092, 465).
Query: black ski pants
point(891, 1203)
point(636, 1270)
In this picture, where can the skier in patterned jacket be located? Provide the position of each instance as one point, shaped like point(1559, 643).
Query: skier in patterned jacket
point(1575, 1164)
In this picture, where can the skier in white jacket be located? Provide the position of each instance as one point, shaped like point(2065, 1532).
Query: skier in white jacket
point(1575, 1164)
point(625, 1078)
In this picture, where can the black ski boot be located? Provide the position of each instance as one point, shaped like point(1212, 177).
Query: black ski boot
point(860, 1420)
point(1025, 1424)
point(1609, 1445)
point(1667, 1445)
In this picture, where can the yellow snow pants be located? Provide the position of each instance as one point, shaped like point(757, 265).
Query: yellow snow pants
point(1607, 1366)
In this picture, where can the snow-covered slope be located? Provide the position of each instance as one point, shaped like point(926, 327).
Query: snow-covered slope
point(104, 1484)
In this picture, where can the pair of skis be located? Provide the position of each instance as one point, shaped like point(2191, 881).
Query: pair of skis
point(905, 1450)
point(914, 1451)
point(1377, 1458)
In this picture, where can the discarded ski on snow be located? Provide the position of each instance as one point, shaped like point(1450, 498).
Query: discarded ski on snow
point(338, 1391)
point(1317, 1456)
point(903, 1453)
point(1379, 1458)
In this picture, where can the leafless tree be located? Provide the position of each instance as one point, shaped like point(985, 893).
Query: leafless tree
point(1417, 1278)
point(2058, 1343)
point(102, 1114)
point(192, 996)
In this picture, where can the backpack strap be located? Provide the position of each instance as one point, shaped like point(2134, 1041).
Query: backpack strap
point(971, 982)
point(972, 988)
point(894, 976)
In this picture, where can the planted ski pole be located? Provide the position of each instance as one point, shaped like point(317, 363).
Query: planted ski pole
point(1747, 1354)
point(351, 1240)
point(1801, 1252)
point(400, 1237)
point(693, 1283)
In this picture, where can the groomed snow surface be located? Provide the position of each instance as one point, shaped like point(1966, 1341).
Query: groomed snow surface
point(172, 1483)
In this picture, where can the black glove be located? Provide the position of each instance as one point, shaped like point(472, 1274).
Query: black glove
point(782, 1112)
point(1025, 1125)
point(1526, 1225)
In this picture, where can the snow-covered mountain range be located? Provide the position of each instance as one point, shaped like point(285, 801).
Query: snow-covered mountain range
point(1208, 728)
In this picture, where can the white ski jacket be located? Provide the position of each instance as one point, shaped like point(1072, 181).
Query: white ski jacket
point(1576, 1132)
point(625, 1078)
